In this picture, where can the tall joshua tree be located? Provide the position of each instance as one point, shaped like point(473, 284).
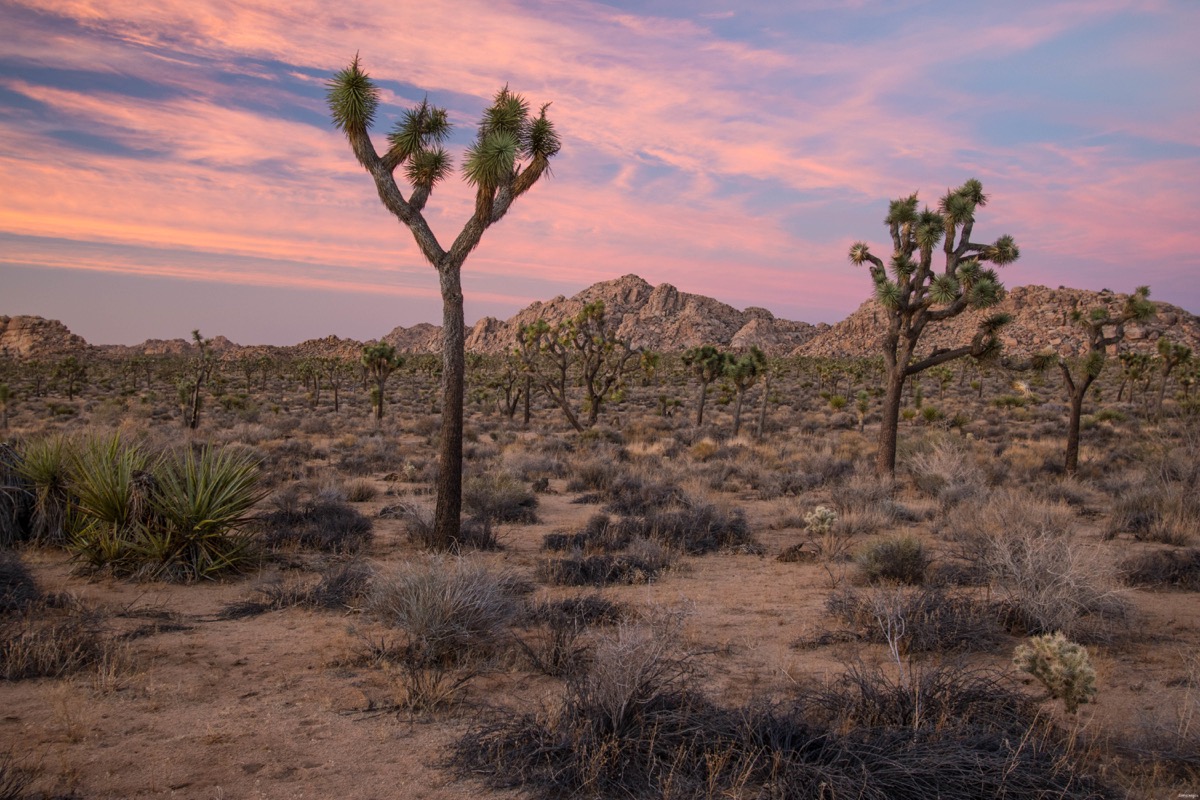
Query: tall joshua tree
point(1104, 330)
point(511, 151)
point(914, 293)
point(1170, 355)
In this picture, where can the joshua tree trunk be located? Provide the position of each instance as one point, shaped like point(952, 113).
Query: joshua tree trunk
point(885, 459)
point(700, 403)
point(450, 449)
point(1077, 394)
point(528, 395)
point(737, 413)
point(762, 409)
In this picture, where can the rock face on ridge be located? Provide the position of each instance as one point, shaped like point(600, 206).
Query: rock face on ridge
point(1041, 320)
point(655, 317)
point(35, 337)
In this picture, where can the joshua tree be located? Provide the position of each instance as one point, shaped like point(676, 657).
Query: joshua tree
point(380, 360)
point(744, 372)
point(191, 388)
point(1170, 355)
point(585, 345)
point(5, 399)
point(336, 371)
point(707, 363)
point(1104, 330)
point(913, 293)
point(511, 151)
point(73, 373)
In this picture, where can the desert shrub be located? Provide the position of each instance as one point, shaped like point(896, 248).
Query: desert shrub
point(451, 610)
point(632, 725)
point(595, 474)
point(18, 589)
point(694, 528)
point(319, 522)
point(499, 497)
point(1062, 666)
point(946, 471)
point(601, 533)
point(14, 777)
point(865, 493)
point(341, 585)
point(473, 534)
point(635, 495)
point(643, 561)
point(530, 466)
point(198, 514)
point(897, 559)
point(557, 646)
point(1167, 569)
point(924, 620)
point(1049, 579)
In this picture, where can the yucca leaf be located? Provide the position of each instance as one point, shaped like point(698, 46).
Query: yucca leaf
point(888, 294)
point(506, 114)
point(353, 98)
point(541, 138)
point(420, 129)
point(490, 161)
point(943, 289)
point(859, 252)
point(1003, 251)
point(902, 211)
point(427, 167)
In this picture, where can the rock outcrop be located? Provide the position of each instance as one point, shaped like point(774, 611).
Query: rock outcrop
point(27, 337)
point(1041, 320)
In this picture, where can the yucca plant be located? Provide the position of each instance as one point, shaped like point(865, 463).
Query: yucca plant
point(45, 464)
point(201, 504)
point(16, 498)
point(113, 485)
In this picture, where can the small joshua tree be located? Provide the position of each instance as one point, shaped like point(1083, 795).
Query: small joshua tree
point(1104, 328)
point(707, 363)
point(191, 387)
point(1171, 355)
point(1062, 666)
point(913, 293)
point(744, 371)
point(380, 360)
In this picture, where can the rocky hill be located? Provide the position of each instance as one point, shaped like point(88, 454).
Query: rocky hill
point(665, 319)
point(35, 337)
point(655, 317)
point(1041, 320)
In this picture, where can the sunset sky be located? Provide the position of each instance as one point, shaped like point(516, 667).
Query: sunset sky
point(170, 165)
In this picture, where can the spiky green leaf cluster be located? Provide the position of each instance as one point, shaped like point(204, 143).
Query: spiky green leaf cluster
point(1003, 251)
point(887, 293)
point(353, 98)
point(859, 252)
point(902, 211)
point(507, 134)
point(944, 289)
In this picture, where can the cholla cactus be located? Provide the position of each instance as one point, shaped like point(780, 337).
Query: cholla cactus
point(1061, 665)
point(820, 520)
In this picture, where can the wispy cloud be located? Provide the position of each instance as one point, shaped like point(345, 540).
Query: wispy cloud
point(698, 149)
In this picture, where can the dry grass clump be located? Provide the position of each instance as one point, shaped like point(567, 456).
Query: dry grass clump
point(15, 778)
point(473, 534)
point(601, 533)
point(49, 639)
point(16, 499)
point(18, 589)
point(633, 725)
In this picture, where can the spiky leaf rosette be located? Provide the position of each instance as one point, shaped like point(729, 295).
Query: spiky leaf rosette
point(420, 129)
point(541, 139)
point(859, 252)
point(944, 289)
point(490, 161)
point(902, 211)
point(427, 167)
point(1003, 251)
point(353, 98)
point(887, 293)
